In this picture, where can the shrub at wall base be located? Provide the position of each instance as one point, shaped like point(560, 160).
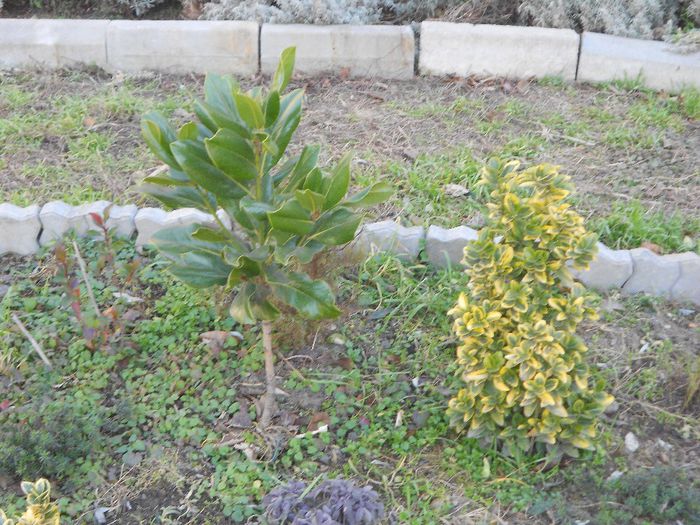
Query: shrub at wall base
point(286, 213)
point(526, 380)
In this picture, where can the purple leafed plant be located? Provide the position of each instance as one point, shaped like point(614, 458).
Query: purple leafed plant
point(333, 502)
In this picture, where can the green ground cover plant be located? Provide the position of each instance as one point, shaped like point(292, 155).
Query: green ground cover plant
point(173, 408)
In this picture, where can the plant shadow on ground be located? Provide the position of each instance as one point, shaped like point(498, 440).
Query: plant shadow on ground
point(176, 440)
point(74, 135)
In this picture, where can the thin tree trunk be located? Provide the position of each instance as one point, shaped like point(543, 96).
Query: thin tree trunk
point(269, 405)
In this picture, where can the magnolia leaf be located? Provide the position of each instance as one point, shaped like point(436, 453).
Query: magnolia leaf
point(215, 119)
point(314, 181)
point(188, 131)
point(159, 135)
point(310, 200)
point(173, 178)
point(375, 194)
point(337, 183)
point(304, 253)
point(250, 306)
point(180, 197)
point(312, 299)
point(285, 68)
point(233, 155)
point(336, 228)
point(181, 239)
point(287, 121)
point(200, 269)
point(291, 217)
point(249, 110)
point(197, 165)
point(215, 235)
point(303, 166)
point(272, 108)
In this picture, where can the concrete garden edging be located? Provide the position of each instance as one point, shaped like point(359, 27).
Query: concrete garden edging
point(358, 51)
point(607, 57)
point(23, 230)
point(389, 52)
point(502, 51)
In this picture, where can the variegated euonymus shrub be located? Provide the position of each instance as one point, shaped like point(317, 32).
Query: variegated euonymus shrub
point(525, 376)
point(286, 209)
point(40, 509)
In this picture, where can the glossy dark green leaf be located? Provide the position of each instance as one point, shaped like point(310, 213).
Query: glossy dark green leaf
point(285, 68)
point(375, 194)
point(205, 117)
point(305, 163)
point(158, 134)
point(272, 108)
point(180, 197)
point(336, 227)
point(220, 119)
point(270, 147)
point(288, 120)
point(180, 239)
point(200, 269)
point(284, 170)
point(337, 183)
point(310, 200)
point(218, 91)
point(249, 110)
point(255, 208)
point(189, 131)
point(204, 233)
point(291, 217)
point(304, 253)
point(169, 179)
point(314, 181)
point(311, 298)
point(196, 164)
point(233, 155)
point(251, 305)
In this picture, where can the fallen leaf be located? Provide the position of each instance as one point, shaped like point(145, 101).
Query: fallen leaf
point(241, 418)
point(394, 359)
point(318, 420)
point(128, 299)
point(247, 449)
point(88, 122)
point(131, 315)
point(653, 247)
point(399, 418)
point(523, 83)
point(5, 404)
point(345, 363)
point(455, 190)
point(216, 339)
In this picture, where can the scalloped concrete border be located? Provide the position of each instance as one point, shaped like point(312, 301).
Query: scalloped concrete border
point(245, 48)
point(675, 276)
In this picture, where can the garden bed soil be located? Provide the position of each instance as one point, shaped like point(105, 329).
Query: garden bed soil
point(73, 135)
